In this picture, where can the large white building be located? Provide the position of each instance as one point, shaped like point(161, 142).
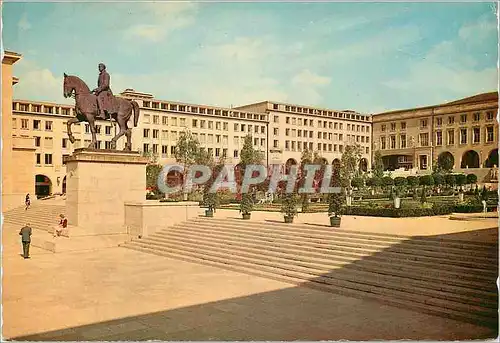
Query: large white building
point(280, 131)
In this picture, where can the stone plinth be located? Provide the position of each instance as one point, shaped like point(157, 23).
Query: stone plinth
point(147, 217)
point(98, 184)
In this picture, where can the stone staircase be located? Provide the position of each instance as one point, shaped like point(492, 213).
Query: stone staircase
point(40, 215)
point(43, 216)
point(447, 277)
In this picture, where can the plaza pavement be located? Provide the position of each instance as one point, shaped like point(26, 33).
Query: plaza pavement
point(120, 294)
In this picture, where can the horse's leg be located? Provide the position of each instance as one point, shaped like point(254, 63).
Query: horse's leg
point(128, 133)
point(93, 143)
point(122, 125)
point(69, 123)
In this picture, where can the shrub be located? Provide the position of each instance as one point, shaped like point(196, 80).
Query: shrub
point(471, 179)
point(450, 180)
point(423, 196)
point(399, 212)
point(357, 182)
point(461, 179)
point(400, 181)
point(336, 200)
point(412, 181)
point(246, 204)
point(289, 205)
point(438, 179)
point(374, 182)
point(426, 180)
point(387, 181)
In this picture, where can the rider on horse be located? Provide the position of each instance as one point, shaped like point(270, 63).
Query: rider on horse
point(103, 92)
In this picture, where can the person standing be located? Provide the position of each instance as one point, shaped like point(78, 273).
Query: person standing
point(27, 201)
point(25, 234)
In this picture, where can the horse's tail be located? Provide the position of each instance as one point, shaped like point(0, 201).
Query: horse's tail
point(135, 107)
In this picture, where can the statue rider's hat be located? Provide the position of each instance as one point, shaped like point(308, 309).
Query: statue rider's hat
point(102, 64)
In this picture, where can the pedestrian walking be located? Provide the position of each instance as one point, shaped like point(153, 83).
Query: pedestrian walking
point(27, 201)
point(25, 234)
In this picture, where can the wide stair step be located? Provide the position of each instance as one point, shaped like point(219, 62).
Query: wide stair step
point(444, 277)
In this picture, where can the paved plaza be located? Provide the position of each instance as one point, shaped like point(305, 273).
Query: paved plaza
point(120, 294)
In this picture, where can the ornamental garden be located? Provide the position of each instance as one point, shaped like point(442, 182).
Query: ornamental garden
point(373, 193)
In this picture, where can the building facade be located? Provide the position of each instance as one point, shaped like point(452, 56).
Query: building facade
point(295, 128)
point(465, 131)
point(280, 131)
point(17, 152)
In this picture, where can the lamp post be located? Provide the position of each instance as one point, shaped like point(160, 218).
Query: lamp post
point(413, 146)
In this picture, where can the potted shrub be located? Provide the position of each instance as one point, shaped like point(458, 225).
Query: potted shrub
point(289, 207)
point(210, 201)
point(335, 202)
point(335, 208)
point(246, 205)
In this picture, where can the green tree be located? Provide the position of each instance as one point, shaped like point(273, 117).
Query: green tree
point(413, 183)
point(461, 180)
point(378, 165)
point(426, 180)
point(445, 163)
point(335, 200)
point(471, 179)
point(289, 205)
point(249, 156)
point(357, 182)
point(387, 181)
point(400, 181)
point(439, 179)
point(350, 165)
point(187, 149)
point(450, 180)
point(153, 170)
point(305, 158)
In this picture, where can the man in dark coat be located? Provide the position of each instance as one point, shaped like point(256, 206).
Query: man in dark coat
point(25, 234)
point(103, 92)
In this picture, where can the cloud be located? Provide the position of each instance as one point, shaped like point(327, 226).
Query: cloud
point(449, 69)
point(39, 84)
point(164, 18)
point(151, 32)
point(307, 78)
point(478, 30)
point(23, 24)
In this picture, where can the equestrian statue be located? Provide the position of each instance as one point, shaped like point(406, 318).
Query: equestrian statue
point(100, 103)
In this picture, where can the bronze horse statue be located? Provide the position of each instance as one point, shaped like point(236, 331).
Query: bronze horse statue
point(86, 110)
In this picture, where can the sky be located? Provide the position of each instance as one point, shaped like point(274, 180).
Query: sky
point(368, 57)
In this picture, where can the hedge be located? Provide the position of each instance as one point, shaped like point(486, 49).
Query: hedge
point(398, 212)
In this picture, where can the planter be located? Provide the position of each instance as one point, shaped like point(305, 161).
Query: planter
point(288, 219)
point(246, 216)
point(209, 213)
point(397, 202)
point(335, 221)
point(461, 197)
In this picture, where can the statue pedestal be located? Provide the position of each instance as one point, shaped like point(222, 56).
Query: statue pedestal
point(98, 183)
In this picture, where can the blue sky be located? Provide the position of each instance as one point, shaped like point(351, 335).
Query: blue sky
point(369, 57)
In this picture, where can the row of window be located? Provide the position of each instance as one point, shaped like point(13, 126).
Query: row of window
point(300, 146)
point(322, 135)
point(37, 124)
point(423, 138)
point(214, 152)
point(203, 110)
point(476, 117)
point(332, 125)
point(290, 108)
point(38, 108)
point(219, 126)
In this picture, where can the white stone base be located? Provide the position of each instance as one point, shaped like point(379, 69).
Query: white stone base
point(98, 185)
